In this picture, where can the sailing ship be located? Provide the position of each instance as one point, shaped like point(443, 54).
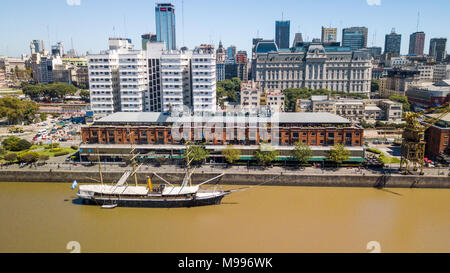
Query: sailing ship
point(164, 196)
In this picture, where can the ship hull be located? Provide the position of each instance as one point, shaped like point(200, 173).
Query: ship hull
point(155, 203)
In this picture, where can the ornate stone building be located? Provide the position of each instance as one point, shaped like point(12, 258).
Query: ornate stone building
point(315, 66)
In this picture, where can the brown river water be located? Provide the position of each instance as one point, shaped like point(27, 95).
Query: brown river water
point(41, 217)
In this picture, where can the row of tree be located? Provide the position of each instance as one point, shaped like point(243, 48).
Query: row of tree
point(266, 154)
point(47, 92)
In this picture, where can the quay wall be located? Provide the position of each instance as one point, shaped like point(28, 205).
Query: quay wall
point(231, 178)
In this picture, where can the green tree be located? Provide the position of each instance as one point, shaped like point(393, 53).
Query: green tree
point(339, 154)
point(16, 110)
point(11, 157)
point(265, 155)
point(195, 154)
point(13, 143)
point(403, 100)
point(375, 85)
point(43, 116)
point(33, 91)
point(85, 95)
point(302, 153)
point(29, 157)
point(44, 158)
point(231, 154)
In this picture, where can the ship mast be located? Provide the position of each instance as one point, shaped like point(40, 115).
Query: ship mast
point(133, 161)
point(100, 167)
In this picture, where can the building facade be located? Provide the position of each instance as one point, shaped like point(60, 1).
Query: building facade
point(153, 98)
point(165, 24)
point(315, 66)
point(329, 35)
point(250, 96)
point(275, 100)
point(416, 43)
point(355, 37)
point(392, 43)
point(220, 62)
point(2, 78)
point(353, 109)
point(242, 65)
point(153, 134)
point(282, 34)
point(176, 80)
point(438, 49)
point(438, 138)
point(148, 37)
point(204, 80)
point(422, 96)
point(37, 46)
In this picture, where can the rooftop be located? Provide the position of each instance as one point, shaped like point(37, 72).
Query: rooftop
point(161, 117)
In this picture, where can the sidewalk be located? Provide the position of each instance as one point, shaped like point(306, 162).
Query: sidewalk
point(54, 165)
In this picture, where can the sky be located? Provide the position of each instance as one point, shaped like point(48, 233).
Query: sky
point(89, 23)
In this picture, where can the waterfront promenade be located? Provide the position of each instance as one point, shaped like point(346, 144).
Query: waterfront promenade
point(253, 175)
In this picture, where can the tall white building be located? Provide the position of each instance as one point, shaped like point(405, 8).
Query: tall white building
point(151, 80)
point(203, 81)
point(103, 72)
point(176, 80)
point(105, 79)
point(133, 80)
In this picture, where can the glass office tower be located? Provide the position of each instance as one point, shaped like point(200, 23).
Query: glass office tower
point(354, 37)
point(165, 24)
point(282, 31)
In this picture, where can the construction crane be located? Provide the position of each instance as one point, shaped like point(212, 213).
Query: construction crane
point(413, 142)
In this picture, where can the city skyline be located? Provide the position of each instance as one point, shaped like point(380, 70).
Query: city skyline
point(89, 29)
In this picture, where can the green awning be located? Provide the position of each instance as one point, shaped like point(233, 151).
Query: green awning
point(355, 159)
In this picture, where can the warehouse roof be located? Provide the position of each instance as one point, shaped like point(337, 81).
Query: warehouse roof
point(162, 117)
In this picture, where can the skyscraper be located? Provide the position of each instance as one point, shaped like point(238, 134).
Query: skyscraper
point(354, 37)
point(282, 31)
point(437, 49)
point(165, 24)
point(329, 35)
point(392, 43)
point(416, 43)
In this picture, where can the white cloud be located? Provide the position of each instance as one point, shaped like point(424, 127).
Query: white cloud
point(78, 2)
point(374, 2)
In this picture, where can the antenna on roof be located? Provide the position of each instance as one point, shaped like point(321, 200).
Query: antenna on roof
point(124, 26)
point(182, 19)
point(418, 20)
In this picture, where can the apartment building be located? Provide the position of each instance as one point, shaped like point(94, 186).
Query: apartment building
point(203, 80)
point(133, 82)
point(176, 80)
point(104, 77)
point(275, 100)
point(441, 72)
point(250, 96)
